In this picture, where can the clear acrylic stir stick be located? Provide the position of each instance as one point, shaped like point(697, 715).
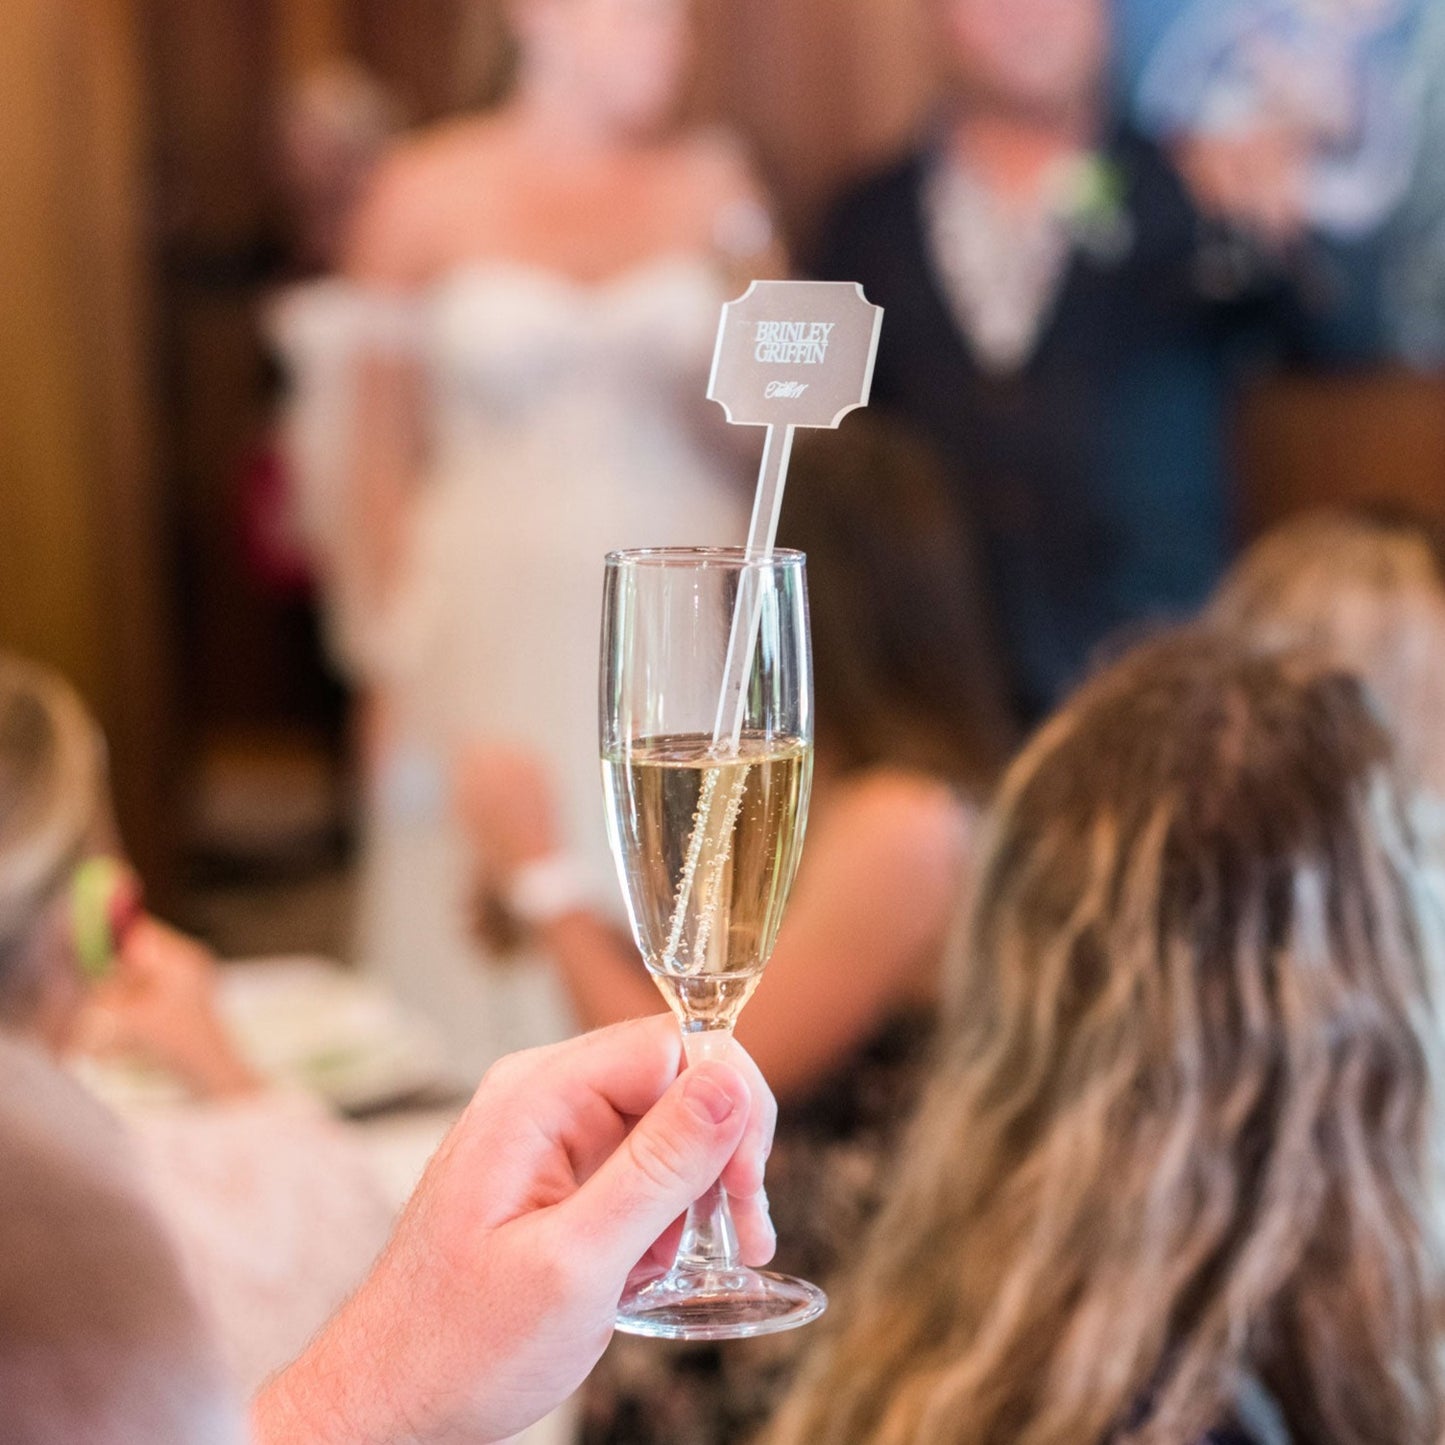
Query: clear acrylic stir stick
point(789, 354)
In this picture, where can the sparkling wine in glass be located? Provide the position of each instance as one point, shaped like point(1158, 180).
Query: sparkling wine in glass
point(707, 756)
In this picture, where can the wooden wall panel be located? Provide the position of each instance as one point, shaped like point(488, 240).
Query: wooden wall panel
point(307, 33)
point(81, 560)
point(210, 77)
point(47, 572)
point(417, 47)
point(215, 76)
point(821, 88)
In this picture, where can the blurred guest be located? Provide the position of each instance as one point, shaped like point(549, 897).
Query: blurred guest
point(1298, 123)
point(507, 383)
point(1297, 112)
point(912, 724)
point(1367, 591)
point(273, 1208)
point(1064, 325)
point(1171, 1182)
point(99, 1339)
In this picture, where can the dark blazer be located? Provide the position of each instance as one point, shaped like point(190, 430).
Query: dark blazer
point(1095, 474)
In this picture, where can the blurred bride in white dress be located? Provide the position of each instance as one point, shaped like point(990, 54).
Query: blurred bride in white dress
point(507, 383)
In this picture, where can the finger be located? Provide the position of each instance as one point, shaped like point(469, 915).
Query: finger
point(589, 1146)
point(567, 1097)
point(669, 1160)
point(630, 1066)
point(757, 1238)
point(594, 1134)
point(660, 1258)
point(743, 1176)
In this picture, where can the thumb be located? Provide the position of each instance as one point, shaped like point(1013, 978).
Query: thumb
point(673, 1156)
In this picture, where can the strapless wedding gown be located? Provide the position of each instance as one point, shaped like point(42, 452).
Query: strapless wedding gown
point(565, 421)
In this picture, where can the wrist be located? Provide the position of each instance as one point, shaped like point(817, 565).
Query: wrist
point(290, 1409)
point(284, 1412)
point(314, 1400)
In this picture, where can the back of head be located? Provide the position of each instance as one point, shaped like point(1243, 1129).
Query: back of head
point(52, 798)
point(99, 1341)
point(905, 665)
point(1368, 591)
point(1178, 1148)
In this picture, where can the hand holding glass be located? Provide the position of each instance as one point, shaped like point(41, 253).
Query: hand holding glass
point(707, 755)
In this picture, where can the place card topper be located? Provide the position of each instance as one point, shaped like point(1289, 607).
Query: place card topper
point(795, 353)
point(789, 354)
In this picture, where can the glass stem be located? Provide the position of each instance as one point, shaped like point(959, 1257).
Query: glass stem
point(709, 1240)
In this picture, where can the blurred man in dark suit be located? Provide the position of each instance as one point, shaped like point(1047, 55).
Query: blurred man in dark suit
point(1065, 325)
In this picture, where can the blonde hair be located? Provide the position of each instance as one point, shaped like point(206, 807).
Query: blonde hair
point(1369, 593)
point(1177, 1146)
point(52, 787)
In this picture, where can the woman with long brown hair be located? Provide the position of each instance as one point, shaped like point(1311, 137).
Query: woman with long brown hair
point(1170, 1183)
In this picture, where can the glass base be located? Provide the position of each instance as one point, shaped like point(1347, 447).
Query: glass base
point(714, 1304)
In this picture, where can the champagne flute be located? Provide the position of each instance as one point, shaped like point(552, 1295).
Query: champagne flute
point(706, 807)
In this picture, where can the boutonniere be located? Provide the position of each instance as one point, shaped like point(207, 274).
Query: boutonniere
point(1094, 195)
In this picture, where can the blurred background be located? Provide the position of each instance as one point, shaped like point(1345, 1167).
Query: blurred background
point(149, 152)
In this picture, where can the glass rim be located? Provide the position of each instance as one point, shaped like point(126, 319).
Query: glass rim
point(731, 558)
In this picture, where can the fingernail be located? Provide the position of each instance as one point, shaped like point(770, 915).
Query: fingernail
point(709, 1097)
